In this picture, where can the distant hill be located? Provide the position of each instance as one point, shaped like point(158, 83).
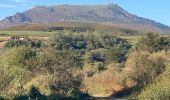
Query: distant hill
point(111, 14)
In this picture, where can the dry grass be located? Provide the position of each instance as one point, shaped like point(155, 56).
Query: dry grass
point(106, 83)
point(100, 84)
point(141, 67)
point(159, 89)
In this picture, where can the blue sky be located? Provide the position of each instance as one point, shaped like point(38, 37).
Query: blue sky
point(158, 10)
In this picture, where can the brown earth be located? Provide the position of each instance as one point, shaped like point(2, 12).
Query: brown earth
point(2, 44)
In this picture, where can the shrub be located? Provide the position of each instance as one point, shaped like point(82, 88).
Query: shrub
point(20, 56)
point(17, 43)
point(159, 89)
point(83, 44)
point(100, 66)
point(98, 55)
point(143, 67)
point(105, 55)
point(154, 42)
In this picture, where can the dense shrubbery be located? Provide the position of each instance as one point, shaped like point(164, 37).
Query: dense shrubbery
point(17, 43)
point(20, 56)
point(21, 64)
point(99, 64)
point(91, 46)
point(154, 42)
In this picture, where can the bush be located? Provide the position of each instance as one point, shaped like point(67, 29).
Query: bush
point(83, 44)
point(96, 56)
point(17, 43)
point(100, 66)
point(20, 56)
point(154, 42)
point(159, 89)
point(143, 67)
point(105, 56)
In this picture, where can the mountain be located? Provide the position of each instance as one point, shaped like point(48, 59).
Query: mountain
point(111, 14)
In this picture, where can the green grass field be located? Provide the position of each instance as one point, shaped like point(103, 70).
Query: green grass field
point(132, 39)
point(28, 33)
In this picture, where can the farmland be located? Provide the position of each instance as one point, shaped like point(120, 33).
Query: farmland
point(42, 35)
point(28, 33)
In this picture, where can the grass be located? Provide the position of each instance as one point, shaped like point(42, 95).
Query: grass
point(28, 33)
point(159, 89)
point(133, 40)
point(43, 27)
point(103, 84)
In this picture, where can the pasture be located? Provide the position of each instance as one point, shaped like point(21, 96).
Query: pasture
point(28, 33)
point(43, 35)
point(133, 40)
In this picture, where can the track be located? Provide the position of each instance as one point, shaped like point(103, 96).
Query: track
point(2, 44)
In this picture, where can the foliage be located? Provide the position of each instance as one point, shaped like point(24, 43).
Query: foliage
point(99, 64)
point(143, 67)
point(91, 46)
point(20, 63)
point(159, 88)
point(154, 42)
point(17, 43)
point(20, 56)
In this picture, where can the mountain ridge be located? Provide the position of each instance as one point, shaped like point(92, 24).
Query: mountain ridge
point(110, 13)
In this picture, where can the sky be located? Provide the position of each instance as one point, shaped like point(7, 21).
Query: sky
point(158, 10)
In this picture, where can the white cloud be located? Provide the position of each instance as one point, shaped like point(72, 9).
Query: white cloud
point(7, 6)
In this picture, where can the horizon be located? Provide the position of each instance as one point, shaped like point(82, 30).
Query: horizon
point(142, 9)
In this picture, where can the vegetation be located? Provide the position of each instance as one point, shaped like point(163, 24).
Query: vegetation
point(153, 43)
point(28, 33)
point(30, 29)
point(28, 42)
point(75, 65)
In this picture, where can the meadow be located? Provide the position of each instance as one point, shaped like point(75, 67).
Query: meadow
point(28, 33)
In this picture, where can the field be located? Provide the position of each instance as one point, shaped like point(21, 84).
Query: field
point(28, 33)
point(41, 35)
point(133, 40)
point(102, 28)
point(31, 34)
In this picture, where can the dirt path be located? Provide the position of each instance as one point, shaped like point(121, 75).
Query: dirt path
point(2, 44)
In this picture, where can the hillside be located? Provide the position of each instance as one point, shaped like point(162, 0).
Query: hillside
point(111, 14)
